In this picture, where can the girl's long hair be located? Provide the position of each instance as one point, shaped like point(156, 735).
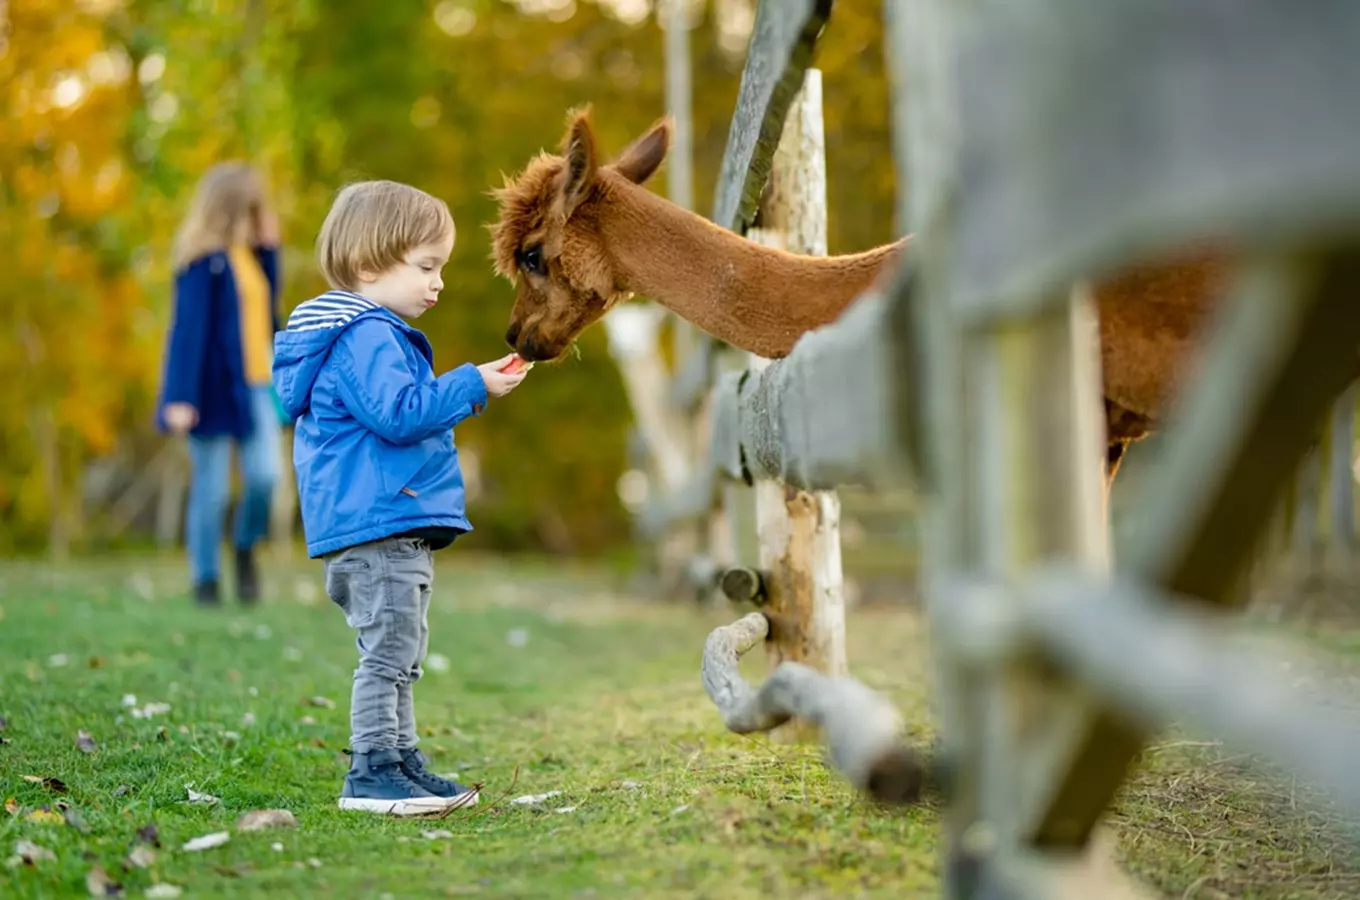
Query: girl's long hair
point(225, 211)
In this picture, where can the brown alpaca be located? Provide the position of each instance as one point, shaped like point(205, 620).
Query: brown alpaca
point(576, 237)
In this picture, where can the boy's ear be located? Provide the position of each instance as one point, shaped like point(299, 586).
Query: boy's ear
point(578, 149)
point(641, 158)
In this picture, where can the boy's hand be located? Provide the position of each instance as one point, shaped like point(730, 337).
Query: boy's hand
point(499, 383)
point(180, 418)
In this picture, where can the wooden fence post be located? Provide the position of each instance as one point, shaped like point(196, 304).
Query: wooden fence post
point(799, 531)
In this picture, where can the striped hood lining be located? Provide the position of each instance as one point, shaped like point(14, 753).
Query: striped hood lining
point(333, 309)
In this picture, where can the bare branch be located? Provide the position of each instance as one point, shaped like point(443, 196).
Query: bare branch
point(862, 730)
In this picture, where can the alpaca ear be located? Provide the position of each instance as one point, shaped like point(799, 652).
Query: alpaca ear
point(641, 159)
point(578, 148)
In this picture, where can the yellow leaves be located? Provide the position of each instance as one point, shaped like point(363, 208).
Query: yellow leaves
point(45, 817)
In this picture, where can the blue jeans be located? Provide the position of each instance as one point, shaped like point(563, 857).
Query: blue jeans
point(210, 485)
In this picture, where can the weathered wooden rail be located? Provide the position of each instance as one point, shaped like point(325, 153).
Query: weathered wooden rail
point(1039, 145)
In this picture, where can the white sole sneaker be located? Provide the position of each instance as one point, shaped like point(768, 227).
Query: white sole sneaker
point(414, 806)
point(465, 799)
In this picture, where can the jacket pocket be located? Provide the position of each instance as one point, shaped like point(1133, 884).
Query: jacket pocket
point(351, 584)
point(398, 468)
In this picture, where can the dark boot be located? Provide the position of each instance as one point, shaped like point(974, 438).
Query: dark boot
point(377, 783)
point(205, 594)
point(247, 578)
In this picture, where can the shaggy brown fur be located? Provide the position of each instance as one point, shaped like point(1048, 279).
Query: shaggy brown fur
point(576, 237)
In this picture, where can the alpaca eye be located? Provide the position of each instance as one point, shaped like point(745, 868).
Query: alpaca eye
point(532, 260)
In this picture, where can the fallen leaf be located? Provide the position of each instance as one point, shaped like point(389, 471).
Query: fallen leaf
point(306, 720)
point(534, 799)
point(129, 699)
point(235, 871)
point(101, 885)
point(149, 834)
point(163, 891)
point(324, 702)
point(436, 834)
point(248, 719)
point(437, 662)
point(207, 841)
point(314, 862)
point(30, 853)
point(96, 662)
point(52, 784)
point(141, 857)
point(260, 819)
point(45, 816)
point(565, 809)
point(122, 789)
point(276, 847)
point(12, 806)
point(57, 660)
point(76, 820)
point(85, 741)
point(196, 797)
point(148, 710)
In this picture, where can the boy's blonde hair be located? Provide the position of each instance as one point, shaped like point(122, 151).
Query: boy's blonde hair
point(225, 210)
point(372, 225)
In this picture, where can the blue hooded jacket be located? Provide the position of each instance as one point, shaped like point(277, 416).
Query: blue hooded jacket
point(372, 446)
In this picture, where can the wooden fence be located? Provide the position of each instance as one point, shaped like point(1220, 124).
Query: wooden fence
point(1037, 143)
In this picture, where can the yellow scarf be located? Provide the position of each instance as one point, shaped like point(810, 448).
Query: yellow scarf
point(257, 325)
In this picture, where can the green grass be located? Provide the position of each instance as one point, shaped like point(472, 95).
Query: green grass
point(602, 703)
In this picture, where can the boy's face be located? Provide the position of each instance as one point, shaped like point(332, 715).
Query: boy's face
point(412, 286)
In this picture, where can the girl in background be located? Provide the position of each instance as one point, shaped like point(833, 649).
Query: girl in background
point(216, 388)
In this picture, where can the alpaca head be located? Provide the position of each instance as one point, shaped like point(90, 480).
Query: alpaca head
point(548, 240)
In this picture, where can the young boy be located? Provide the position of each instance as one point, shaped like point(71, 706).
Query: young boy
point(378, 477)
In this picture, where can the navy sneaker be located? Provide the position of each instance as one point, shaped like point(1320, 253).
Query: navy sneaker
point(377, 783)
point(413, 764)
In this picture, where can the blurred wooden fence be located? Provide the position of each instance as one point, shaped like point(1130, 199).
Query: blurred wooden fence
point(1037, 144)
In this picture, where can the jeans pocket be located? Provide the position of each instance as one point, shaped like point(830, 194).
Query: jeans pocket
point(351, 586)
point(405, 548)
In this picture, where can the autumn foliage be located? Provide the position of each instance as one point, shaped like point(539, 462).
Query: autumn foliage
point(113, 108)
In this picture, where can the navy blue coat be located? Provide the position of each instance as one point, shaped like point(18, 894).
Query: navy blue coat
point(204, 365)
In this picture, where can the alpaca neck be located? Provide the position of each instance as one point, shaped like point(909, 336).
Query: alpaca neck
point(756, 298)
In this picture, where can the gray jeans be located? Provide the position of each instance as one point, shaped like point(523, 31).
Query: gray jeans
point(384, 589)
